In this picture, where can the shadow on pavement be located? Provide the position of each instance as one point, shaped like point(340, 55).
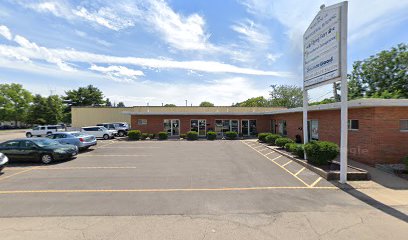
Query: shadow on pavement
point(372, 202)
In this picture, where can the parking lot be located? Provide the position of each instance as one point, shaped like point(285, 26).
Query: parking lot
point(169, 177)
point(189, 187)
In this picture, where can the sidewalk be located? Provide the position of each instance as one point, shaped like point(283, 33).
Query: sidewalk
point(383, 187)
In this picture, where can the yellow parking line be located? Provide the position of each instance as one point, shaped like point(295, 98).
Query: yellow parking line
point(258, 147)
point(269, 153)
point(273, 160)
point(286, 163)
point(300, 171)
point(264, 149)
point(18, 173)
point(315, 182)
point(162, 190)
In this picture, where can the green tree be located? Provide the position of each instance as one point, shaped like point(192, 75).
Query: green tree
point(46, 110)
point(169, 105)
point(37, 111)
point(286, 96)
point(85, 96)
point(55, 110)
point(254, 102)
point(206, 104)
point(120, 104)
point(384, 75)
point(14, 102)
point(108, 103)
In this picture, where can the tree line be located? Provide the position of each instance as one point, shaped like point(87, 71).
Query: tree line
point(20, 105)
point(384, 75)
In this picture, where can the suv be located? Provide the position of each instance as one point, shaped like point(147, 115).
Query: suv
point(44, 130)
point(99, 132)
point(121, 130)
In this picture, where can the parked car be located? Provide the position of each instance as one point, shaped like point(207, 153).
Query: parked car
point(44, 150)
point(122, 131)
point(3, 161)
point(99, 132)
point(79, 139)
point(44, 130)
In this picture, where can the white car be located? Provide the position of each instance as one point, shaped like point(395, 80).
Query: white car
point(99, 132)
point(3, 161)
point(40, 131)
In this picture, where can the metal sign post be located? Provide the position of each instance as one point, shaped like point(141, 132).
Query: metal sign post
point(324, 62)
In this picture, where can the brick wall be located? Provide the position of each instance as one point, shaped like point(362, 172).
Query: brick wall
point(155, 122)
point(378, 139)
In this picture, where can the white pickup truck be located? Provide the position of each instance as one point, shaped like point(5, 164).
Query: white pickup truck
point(44, 130)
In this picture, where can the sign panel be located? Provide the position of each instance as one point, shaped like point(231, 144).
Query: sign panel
point(321, 60)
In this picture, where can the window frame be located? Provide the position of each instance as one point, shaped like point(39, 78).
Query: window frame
point(403, 130)
point(141, 121)
point(349, 125)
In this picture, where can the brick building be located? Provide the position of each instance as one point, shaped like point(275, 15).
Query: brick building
point(378, 128)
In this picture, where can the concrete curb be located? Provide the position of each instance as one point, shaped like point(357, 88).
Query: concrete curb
point(358, 175)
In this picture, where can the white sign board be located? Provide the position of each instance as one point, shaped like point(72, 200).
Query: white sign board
point(325, 61)
point(321, 60)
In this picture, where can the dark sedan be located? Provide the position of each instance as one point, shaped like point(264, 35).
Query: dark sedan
point(41, 149)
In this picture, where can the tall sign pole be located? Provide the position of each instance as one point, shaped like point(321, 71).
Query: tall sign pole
point(325, 62)
point(344, 96)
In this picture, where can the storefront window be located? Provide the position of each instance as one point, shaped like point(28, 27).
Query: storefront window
point(282, 127)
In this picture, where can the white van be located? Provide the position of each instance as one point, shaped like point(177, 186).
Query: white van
point(40, 131)
point(99, 132)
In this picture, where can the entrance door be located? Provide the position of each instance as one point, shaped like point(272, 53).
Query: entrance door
point(202, 127)
point(172, 127)
point(248, 127)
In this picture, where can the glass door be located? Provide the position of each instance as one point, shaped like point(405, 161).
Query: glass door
point(245, 127)
point(202, 127)
point(199, 126)
point(172, 127)
point(175, 125)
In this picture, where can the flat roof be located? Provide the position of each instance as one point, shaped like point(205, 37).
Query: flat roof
point(194, 113)
point(359, 103)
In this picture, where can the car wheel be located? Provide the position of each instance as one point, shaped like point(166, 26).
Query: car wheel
point(121, 133)
point(29, 135)
point(106, 136)
point(46, 158)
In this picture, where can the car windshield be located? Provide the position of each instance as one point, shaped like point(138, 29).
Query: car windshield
point(45, 142)
point(104, 128)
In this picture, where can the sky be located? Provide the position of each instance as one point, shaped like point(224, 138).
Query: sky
point(157, 52)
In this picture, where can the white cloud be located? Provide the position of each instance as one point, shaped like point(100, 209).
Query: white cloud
point(94, 39)
point(252, 33)
point(104, 17)
point(223, 91)
point(181, 32)
point(297, 15)
point(41, 52)
point(118, 73)
point(5, 32)
point(61, 56)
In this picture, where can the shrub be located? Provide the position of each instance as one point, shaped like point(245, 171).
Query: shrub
point(262, 137)
point(152, 135)
point(296, 149)
point(231, 135)
point(321, 152)
point(163, 135)
point(192, 135)
point(144, 136)
point(280, 142)
point(134, 134)
point(211, 135)
point(271, 138)
point(183, 135)
point(405, 161)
